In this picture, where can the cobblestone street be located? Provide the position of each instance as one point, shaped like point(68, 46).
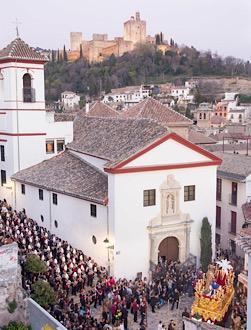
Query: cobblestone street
point(163, 314)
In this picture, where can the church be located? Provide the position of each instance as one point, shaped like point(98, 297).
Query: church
point(127, 190)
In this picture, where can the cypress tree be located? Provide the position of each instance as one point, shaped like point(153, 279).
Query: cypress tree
point(80, 51)
point(65, 55)
point(205, 244)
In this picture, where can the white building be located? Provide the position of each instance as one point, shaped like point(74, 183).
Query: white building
point(233, 191)
point(182, 93)
point(28, 134)
point(70, 100)
point(128, 98)
point(131, 183)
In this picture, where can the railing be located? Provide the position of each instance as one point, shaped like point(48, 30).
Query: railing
point(29, 95)
point(233, 199)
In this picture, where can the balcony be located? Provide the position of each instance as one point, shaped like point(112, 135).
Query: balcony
point(29, 95)
point(233, 199)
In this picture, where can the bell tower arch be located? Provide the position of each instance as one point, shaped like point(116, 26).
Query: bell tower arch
point(22, 110)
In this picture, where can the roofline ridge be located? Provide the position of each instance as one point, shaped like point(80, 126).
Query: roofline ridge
point(86, 162)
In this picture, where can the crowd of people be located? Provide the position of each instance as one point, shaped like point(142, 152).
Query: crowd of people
point(87, 297)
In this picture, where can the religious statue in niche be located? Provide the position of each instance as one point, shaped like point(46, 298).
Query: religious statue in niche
point(170, 204)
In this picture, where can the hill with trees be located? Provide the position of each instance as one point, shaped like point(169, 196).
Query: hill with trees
point(144, 65)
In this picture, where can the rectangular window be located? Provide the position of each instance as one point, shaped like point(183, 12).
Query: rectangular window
point(2, 153)
point(23, 189)
point(233, 246)
point(234, 193)
point(149, 197)
point(233, 222)
point(3, 177)
point(41, 194)
point(217, 239)
point(55, 199)
point(60, 145)
point(189, 193)
point(93, 208)
point(218, 217)
point(218, 189)
point(50, 147)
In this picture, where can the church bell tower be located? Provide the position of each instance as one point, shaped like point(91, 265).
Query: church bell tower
point(22, 111)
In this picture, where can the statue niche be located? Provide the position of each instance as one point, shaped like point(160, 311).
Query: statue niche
point(169, 191)
point(170, 204)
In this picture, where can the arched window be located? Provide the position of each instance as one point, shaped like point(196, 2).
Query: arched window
point(204, 116)
point(27, 89)
point(200, 115)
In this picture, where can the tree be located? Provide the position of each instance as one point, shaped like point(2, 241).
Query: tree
point(35, 265)
point(43, 293)
point(81, 51)
point(65, 58)
point(13, 325)
point(157, 39)
point(205, 244)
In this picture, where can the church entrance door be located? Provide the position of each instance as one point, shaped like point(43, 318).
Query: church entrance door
point(169, 249)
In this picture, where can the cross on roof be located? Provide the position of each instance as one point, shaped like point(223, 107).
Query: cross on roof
point(16, 24)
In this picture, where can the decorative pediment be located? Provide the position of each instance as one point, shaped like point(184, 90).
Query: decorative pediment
point(170, 184)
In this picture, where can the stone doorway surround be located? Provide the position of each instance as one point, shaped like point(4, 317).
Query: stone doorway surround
point(171, 222)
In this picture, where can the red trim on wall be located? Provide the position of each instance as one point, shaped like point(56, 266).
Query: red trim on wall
point(161, 167)
point(22, 134)
point(12, 60)
point(20, 67)
point(176, 138)
point(2, 140)
point(24, 109)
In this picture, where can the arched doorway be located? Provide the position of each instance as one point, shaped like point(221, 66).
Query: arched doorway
point(169, 249)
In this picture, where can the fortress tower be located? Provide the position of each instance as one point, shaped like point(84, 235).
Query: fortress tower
point(135, 29)
point(76, 40)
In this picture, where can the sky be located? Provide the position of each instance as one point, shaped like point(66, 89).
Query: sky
point(222, 26)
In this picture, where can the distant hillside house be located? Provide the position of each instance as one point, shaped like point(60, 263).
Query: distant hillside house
point(70, 100)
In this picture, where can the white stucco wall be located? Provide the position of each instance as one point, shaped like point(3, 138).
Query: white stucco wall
point(130, 219)
point(75, 224)
point(226, 209)
point(169, 152)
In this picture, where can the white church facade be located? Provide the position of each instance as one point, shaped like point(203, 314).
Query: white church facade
point(125, 191)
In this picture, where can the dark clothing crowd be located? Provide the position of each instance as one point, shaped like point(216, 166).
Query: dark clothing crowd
point(83, 288)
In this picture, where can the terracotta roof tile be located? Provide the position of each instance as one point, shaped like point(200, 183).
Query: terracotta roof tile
point(199, 138)
point(114, 139)
point(69, 175)
point(19, 50)
point(155, 110)
point(217, 120)
point(246, 209)
point(234, 166)
point(99, 109)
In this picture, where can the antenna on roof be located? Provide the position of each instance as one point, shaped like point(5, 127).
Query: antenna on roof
point(16, 24)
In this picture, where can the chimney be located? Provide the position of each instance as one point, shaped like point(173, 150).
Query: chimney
point(87, 107)
point(137, 16)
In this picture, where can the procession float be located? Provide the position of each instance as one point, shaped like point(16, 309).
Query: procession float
point(214, 293)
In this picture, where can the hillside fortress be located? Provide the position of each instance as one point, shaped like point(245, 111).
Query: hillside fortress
point(100, 47)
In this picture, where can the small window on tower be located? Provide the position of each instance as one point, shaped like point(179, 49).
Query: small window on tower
point(50, 147)
point(2, 154)
point(23, 189)
point(60, 145)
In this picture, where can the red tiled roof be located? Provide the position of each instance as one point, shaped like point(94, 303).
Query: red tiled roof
point(155, 110)
point(99, 109)
point(199, 138)
point(217, 120)
point(19, 50)
point(246, 209)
